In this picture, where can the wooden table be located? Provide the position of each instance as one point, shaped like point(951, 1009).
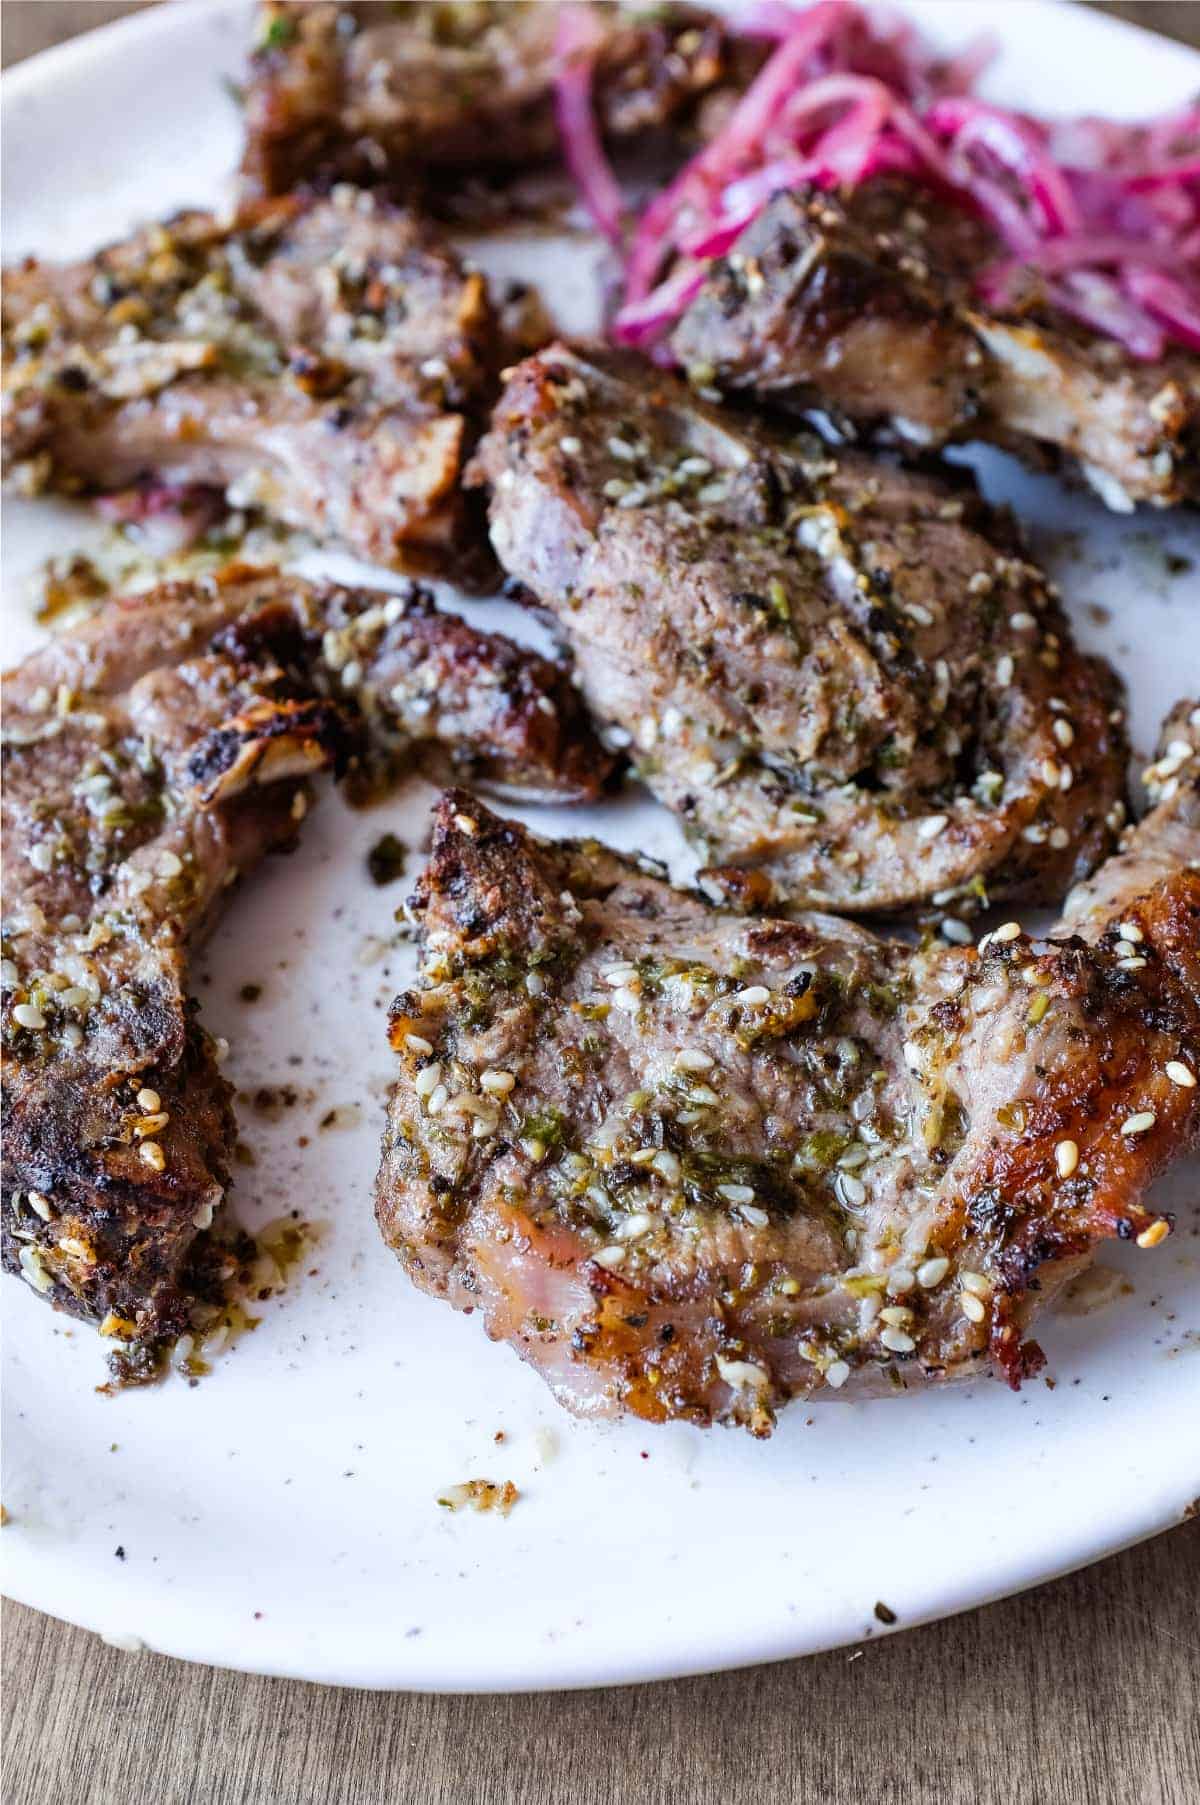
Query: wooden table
point(1087, 1690)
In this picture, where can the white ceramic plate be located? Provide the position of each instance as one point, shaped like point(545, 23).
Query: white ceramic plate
point(281, 1516)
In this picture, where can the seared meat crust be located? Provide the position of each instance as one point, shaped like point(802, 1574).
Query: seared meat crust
point(362, 92)
point(152, 756)
point(692, 1166)
point(845, 678)
point(863, 305)
point(319, 360)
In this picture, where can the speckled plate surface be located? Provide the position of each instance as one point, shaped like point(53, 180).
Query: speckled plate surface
point(281, 1515)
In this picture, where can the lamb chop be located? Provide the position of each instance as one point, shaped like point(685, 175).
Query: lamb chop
point(152, 757)
point(318, 360)
point(692, 1165)
point(365, 92)
point(845, 677)
point(863, 304)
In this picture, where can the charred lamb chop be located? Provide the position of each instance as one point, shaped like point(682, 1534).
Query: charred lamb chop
point(368, 92)
point(846, 678)
point(692, 1165)
point(151, 757)
point(318, 360)
point(865, 305)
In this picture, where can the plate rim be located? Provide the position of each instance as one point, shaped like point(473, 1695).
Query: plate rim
point(34, 76)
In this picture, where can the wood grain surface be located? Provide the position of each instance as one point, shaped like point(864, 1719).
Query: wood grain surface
point(1084, 1692)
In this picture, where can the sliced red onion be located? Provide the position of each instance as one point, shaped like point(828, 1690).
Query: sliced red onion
point(578, 39)
point(1108, 214)
point(1176, 306)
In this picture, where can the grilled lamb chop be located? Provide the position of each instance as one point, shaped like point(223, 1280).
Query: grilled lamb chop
point(692, 1166)
point(863, 305)
point(365, 92)
point(152, 756)
point(318, 360)
point(844, 677)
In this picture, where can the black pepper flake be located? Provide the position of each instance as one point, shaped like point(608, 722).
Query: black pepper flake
point(885, 1613)
point(386, 860)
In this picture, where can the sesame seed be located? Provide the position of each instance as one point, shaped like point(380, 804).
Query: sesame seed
point(703, 1094)
point(571, 445)
point(416, 1043)
point(626, 999)
point(427, 1079)
point(149, 1101)
point(153, 1155)
point(465, 824)
point(1004, 671)
point(635, 1226)
point(976, 1284)
point(1059, 838)
point(736, 1193)
point(1134, 964)
point(931, 827)
point(955, 931)
point(203, 1216)
point(534, 1148)
point(9, 975)
point(1139, 1123)
point(169, 864)
point(1066, 1158)
point(851, 1190)
point(1066, 778)
point(497, 1082)
point(667, 1166)
point(1050, 773)
point(33, 1269)
point(754, 996)
point(1022, 622)
point(27, 1016)
point(1064, 733)
point(837, 1374)
point(756, 1217)
point(41, 856)
point(618, 975)
point(437, 1102)
point(1156, 1233)
point(932, 1272)
point(40, 1205)
point(1008, 930)
point(742, 1373)
point(900, 1280)
point(896, 1314)
point(790, 1287)
point(692, 1059)
point(1181, 1074)
point(972, 1307)
point(1129, 930)
point(896, 1341)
